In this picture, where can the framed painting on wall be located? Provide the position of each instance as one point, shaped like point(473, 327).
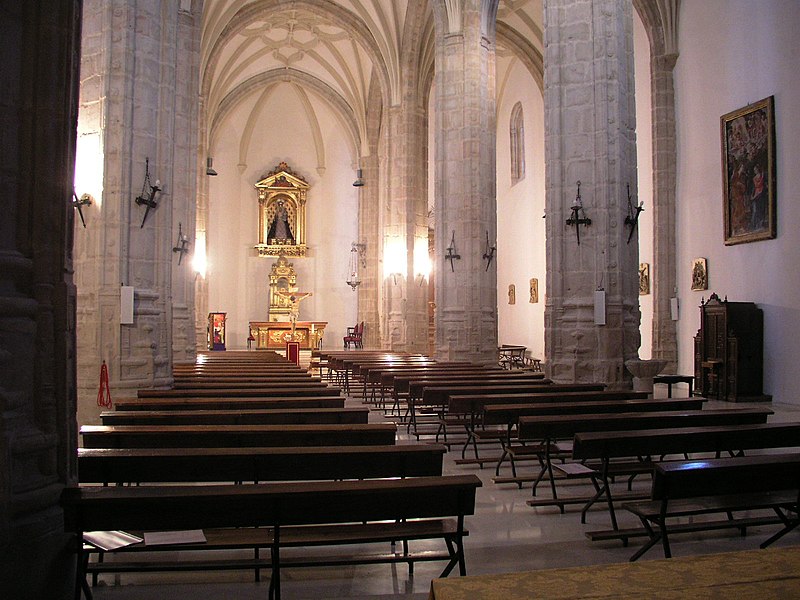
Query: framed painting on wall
point(699, 274)
point(748, 173)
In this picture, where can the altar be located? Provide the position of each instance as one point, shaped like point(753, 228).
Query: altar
point(273, 335)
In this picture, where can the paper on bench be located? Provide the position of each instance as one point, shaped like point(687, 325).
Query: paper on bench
point(110, 540)
point(164, 538)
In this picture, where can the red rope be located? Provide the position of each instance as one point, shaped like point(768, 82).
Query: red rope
point(104, 399)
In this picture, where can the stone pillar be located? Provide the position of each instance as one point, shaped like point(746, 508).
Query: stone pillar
point(186, 175)
point(138, 97)
point(38, 434)
point(663, 32)
point(465, 201)
point(405, 229)
point(369, 224)
point(590, 137)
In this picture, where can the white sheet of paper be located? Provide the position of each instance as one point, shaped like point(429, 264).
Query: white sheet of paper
point(110, 540)
point(163, 538)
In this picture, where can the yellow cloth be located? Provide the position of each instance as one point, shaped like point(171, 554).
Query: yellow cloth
point(773, 573)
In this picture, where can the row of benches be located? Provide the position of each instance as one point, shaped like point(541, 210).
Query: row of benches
point(225, 446)
point(621, 422)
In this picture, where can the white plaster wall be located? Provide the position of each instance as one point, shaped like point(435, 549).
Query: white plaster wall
point(238, 278)
point(733, 52)
point(644, 159)
point(520, 207)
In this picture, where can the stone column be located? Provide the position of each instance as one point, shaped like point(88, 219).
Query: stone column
point(662, 22)
point(590, 125)
point(405, 229)
point(138, 99)
point(186, 174)
point(38, 434)
point(465, 201)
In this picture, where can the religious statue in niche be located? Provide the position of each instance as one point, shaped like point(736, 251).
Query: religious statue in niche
point(534, 291)
point(280, 231)
point(282, 213)
point(512, 294)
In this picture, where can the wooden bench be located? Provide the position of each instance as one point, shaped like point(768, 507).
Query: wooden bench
point(186, 465)
point(289, 416)
point(724, 485)
point(332, 513)
point(508, 415)
point(548, 429)
point(670, 380)
point(640, 445)
point(304, 389)
point(436, 395)
point(232, 436)
point(223, 403)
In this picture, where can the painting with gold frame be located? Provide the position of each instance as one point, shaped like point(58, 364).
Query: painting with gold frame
point(748, 173)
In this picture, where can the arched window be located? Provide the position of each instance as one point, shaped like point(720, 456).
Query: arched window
point(517, 130)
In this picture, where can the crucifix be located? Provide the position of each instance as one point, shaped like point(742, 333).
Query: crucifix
point(295, 298)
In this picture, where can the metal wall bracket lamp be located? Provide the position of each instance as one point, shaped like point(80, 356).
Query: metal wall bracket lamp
point(633, 214)
point(84, 200)
point(488, 254)
point(451, 253)
point(182, 245)
point(149, 191)
point(576, 219)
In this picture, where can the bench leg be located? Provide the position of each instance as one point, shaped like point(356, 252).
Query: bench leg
point(654, 537)
point(455, 547)
point(275, 580)
point(789, 526)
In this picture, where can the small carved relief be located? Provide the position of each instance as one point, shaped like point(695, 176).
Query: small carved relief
point(534, 291)
point(512, 294)
point(644, 279)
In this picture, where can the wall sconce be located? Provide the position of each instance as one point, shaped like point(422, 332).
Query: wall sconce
point(356, 251)
point(633, 214)
point(359, 182)
point(488, 254)
point(148, 196)
point(182, 245)
point(451, 253)
point(576, 218)
point(210, 167)
point(84, 200)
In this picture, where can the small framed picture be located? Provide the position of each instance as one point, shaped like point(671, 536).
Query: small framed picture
point(699, 274)
point(534, 291)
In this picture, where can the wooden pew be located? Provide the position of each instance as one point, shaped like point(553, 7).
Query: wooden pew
point(296, 416)
point(223, 403)
point(547, 429)
point(436, 396)
point(232, 436)
point(305, 389)
point(724, 485)
point(415, 508)
point(188, 465)
point(609, 446)
point(507, 415)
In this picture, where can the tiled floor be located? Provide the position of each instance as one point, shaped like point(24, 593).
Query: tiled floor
point(505, 535)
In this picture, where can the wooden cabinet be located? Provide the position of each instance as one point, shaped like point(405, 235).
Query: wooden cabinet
point(729, 351)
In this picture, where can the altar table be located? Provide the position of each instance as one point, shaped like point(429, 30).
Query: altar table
point(273, 335)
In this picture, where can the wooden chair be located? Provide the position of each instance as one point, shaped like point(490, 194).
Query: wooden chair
point(354, 336)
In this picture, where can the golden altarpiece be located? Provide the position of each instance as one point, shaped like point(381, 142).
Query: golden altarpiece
point(282, 213)
point(282, 233)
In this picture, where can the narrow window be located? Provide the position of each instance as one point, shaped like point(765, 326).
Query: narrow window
point(517, 130)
